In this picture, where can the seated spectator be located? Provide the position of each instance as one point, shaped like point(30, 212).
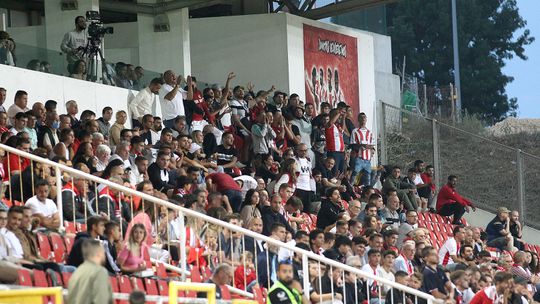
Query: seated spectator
point(44, 208)
point(330, 208)
point(449, 202)
point(463, 293)
point(78, 70)
point(435, 281)
point(85, 155)
point(245, 275)
point(390, 213)
point(103, 154)
point(387, 269)
point(117, 127)
point(498, 231)
point(448, 254)
point(404, 260)
point(132, 258)
point(222, 275)
point(500, 292)
point(373, 267)
point(516, 230)
point(406, 192)
point(408, 226)
point(226, 185)
point(341, 249)
point(397, 296)
point(250, 207)
point(95, 226)
point(158, 174)
point(21, 120)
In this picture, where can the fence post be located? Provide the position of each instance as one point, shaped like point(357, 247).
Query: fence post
point(384, 155)
point(520, 185)
point(59, 203)
point(436, 160)
point(183, 256)
point(426, 114)
point(305, 269)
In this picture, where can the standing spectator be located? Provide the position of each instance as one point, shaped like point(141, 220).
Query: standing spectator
point(144, 102)
point(449, 202)
point(304, 182)
point(335, 147)
point(498, 231)
point(6, 48)
point(21, 100)
point(90, 282)
point(226, 185)
point(171, 97)
point(363, 148)
point(74, 42)
point(104, 121)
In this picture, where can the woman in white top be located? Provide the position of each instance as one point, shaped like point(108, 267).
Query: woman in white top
point(250, 207)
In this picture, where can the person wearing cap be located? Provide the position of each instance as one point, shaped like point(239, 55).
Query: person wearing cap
point(498, 231)
point(450, 203)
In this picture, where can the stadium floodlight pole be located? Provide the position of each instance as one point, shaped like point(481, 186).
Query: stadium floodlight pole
point(457, 78)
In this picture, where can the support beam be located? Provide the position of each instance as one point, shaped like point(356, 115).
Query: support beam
point(342, 7)
point(154, 9)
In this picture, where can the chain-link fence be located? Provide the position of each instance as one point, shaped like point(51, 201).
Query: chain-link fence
point(489, 173)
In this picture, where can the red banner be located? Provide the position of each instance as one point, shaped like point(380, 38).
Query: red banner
point(330, 67)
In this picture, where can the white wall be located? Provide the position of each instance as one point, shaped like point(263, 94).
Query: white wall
point(252, 46)
point(30, 35)
point(42, 87)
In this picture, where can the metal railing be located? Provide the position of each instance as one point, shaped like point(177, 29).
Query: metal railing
point(489, 173)
point(240, 233)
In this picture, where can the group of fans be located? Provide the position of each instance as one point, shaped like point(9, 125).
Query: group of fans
point(263, 160)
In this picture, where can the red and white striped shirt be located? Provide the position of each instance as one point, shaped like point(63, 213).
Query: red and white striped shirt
point(450, 247)
point(363, 136)
point(334, 139)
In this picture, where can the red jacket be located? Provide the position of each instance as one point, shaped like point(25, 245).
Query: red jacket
point(449, 195)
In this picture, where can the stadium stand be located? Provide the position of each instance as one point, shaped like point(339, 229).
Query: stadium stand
point(231, 193)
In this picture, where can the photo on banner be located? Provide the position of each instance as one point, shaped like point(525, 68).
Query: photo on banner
point(330, 67)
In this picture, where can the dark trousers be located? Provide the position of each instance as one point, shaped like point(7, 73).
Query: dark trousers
point(305, 196)
point(455, 209)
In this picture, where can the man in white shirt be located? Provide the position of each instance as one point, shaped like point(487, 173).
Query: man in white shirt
point(171, 98)
point(305, 184)
point(21, 100)
point(373, 267)
point(144, 102)
point(20, 123)
point(42, 207)
point(448, 254)
point(407, 227)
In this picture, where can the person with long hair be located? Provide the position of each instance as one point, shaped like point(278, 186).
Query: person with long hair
point(287, 174)
point(78, 70)
point(250, 207)
point(132, 258)
point(85, 155)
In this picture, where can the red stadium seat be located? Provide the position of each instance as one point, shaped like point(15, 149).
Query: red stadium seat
point(70, 227)
point(81, 227)
point(69, 241)
point(44, 246)
point(163, 288)
point(161, 272)
point(40, 278)
point(25, 278)
point(225, 292)
point(58, 247)
point(124, 285)
point(137, 284)
point(196, 275)
point(65, 278)
point(114, 284)
point(257, 295)
point(206, 273)
point(151, 287)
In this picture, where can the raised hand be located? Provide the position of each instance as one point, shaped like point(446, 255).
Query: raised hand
point(231, 76)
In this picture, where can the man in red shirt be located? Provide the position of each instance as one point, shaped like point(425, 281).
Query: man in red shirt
point(449, 202)
point(225, 184)
point(499, 293)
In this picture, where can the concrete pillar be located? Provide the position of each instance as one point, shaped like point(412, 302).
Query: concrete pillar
point(160, 51)
point(59, 22)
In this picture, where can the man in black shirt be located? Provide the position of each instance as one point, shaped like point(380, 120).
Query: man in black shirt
point(330, 208)
point(158, 173)
point(271, 215)
point(226, 153)
point(435, 281)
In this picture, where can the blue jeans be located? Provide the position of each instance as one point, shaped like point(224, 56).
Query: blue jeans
point(235, 199)
point(359, 165)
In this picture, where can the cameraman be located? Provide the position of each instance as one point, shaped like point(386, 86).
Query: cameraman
point(75, 41)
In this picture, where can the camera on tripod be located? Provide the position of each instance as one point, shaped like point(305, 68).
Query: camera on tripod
point(96, 29)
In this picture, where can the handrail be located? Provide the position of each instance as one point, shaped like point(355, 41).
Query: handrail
point(183, 211)
point(461, 130)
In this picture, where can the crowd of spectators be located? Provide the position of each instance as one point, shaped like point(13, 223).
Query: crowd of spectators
point(263, 160)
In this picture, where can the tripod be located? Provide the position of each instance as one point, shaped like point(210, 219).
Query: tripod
point(93, 54)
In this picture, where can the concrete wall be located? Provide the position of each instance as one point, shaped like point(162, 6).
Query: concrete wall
point(253, 46)
point(42, 86)
point(30, 35)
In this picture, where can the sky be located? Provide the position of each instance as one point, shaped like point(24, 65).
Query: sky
point(526, 84)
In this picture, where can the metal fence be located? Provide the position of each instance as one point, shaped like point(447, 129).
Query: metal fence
point(225, 242)
point(489, 173)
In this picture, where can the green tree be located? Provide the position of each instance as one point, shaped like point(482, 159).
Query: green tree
point(490, 32)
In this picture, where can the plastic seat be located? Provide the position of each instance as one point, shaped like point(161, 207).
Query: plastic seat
point(195, 275)
point(40, 278)
point(225, 292)
point(24, 278)
point(124, 286)
point(80, 227)
point(58, 247)
point(151, 287)
point(69, 241)
point(138, 284)
point(257, 295)
point(44, 246)
point(163, 288)
point(161, 272)
point(70, 227)
point(66, 276)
